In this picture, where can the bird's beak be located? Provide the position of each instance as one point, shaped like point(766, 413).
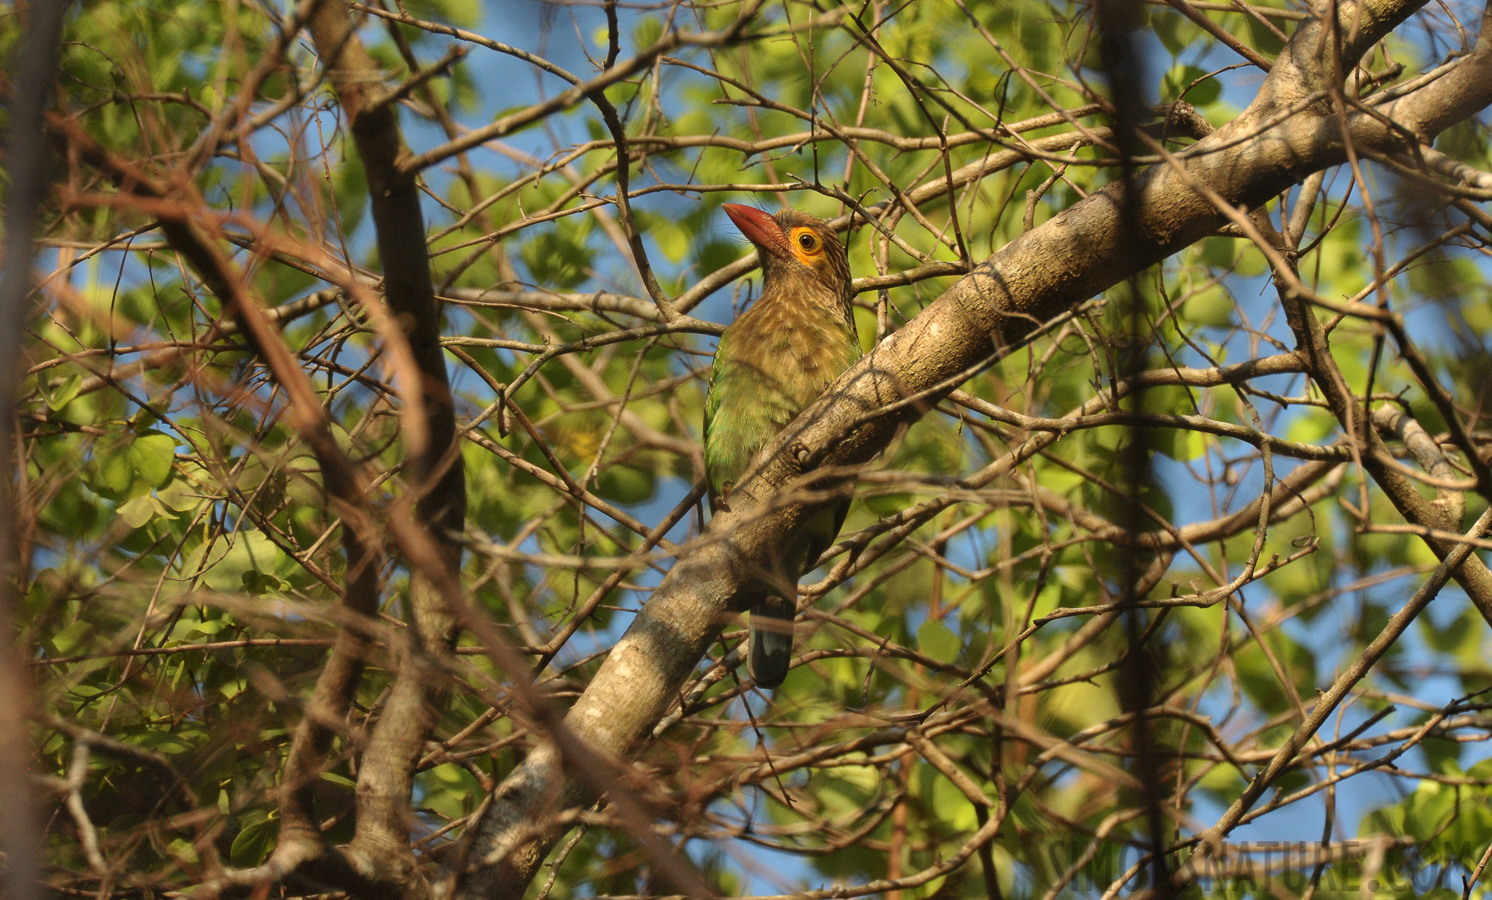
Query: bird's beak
point(760, 228)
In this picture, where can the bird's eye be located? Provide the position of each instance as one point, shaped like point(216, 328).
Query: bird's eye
point(808, 241)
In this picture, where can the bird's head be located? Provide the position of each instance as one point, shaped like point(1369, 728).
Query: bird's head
point(796, 250)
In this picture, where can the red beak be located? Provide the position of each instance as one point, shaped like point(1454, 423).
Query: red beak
point(760, 228)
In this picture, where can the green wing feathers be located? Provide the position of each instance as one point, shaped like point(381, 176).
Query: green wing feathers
point(772, 362)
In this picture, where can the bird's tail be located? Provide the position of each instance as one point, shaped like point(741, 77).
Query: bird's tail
point(771, 641)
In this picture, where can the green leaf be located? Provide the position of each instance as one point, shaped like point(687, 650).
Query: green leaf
point(1212, 307)
point(63, 392)
point(1201, 92)
point(210, 627)
point(1183, 444)
point(953, 807)
point(182, 850)
point(672, 240)
point(140, 510)
point(180, 496)
point(937, 641)
point(258, 583)
point(152, 454)
point(73, 638)
point(115, 473)
point(1168, 27)
point(251, 845)
point(849, 789)
point(1310, 426)
point(450, 773)
point(624, 484)
point(224, 566)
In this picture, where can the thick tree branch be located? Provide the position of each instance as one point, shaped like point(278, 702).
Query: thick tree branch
point(27, 160)
point(380, 847)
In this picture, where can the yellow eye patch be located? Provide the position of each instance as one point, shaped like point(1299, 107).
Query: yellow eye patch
point(806, 243)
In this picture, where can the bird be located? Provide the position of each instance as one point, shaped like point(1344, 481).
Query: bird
point(775, 359)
